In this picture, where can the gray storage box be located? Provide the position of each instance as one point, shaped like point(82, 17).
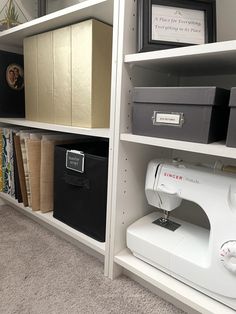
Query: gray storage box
point(231, 135)
point(196, 114)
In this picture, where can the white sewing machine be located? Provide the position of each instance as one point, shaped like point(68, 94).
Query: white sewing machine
point(204, 259)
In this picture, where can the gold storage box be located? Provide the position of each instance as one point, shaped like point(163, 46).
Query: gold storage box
point(68, 75)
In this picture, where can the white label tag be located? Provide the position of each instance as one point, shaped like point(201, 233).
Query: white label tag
point(167, 118)
point(75, 160)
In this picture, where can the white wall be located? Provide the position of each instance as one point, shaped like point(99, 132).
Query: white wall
point(29, 7)
point(54, 5)
point(226, 16)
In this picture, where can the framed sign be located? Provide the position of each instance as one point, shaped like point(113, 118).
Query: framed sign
point(166, 24)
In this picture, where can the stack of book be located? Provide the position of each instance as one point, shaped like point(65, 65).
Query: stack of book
point(27, 165)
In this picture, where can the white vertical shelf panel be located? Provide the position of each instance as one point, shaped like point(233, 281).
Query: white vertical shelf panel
point(125, 38)
point(99, 9)
point(113, 121)
point(54, 224)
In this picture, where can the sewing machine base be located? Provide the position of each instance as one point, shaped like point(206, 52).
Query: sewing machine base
point(183, 254)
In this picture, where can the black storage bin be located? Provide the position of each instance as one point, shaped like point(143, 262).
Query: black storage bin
point(196, 114)
point(12, 99)
point(231, 135)
point(80, 198)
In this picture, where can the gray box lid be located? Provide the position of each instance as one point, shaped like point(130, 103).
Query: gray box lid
point(209, 95)
point(232, 100)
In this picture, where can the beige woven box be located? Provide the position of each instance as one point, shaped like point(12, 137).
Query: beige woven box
point(68, 75)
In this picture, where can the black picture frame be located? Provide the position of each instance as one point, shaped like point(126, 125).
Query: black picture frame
point(41, 7)
point(145, 41)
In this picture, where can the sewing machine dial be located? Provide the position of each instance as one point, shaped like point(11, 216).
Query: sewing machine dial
point(228, 255)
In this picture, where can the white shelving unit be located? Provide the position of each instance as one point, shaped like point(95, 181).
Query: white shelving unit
point(210, 64)
point(169, 285)
point(100, 9)
point(216, 57)
point(215, 149)
point(102, 132)
point(201, 65)
point(12, 40)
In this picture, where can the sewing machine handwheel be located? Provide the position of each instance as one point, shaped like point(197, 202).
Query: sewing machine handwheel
point(228, 255)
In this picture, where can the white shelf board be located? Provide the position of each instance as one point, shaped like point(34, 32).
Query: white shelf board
point(98, 132)
point(214, 58)
point(47, 218)
point(99, 9)
point(214, 149)
point(170, 285)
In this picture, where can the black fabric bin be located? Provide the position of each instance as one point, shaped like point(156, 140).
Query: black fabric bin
point(80, 198)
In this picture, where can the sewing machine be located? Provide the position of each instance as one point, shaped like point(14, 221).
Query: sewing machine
point(204, 259)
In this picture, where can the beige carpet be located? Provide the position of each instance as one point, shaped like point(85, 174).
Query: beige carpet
point(41, 273)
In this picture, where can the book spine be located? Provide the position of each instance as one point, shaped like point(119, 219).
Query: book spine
point(18, 194)
point(46, 176)
point(34, 156)
point(5, 162)
point(26, 168)
point(11, 165)
point(20, 168)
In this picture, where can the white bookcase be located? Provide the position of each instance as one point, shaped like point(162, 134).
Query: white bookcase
point(210, 64)
point(12, 40)
point(202, 65)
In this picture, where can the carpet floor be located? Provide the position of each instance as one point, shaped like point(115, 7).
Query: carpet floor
point(41, 273)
